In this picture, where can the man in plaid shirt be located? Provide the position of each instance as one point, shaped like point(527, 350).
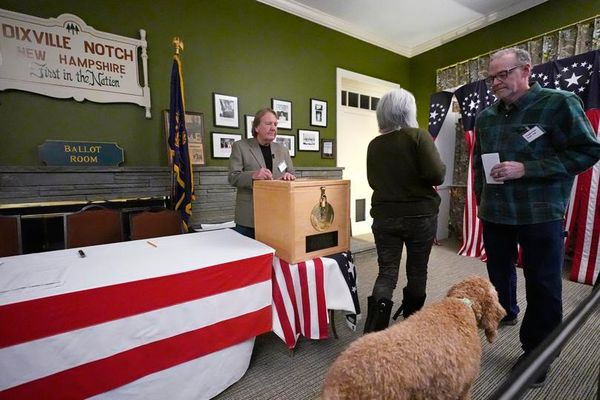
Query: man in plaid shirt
point(528, 149)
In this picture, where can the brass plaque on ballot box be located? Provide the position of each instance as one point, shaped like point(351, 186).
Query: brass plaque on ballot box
point(303, 219)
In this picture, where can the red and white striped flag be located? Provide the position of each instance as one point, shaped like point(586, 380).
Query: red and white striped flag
point(72, 329)
point(583, 219)
point(472, 98)
point(299, 300)
point(580, 75)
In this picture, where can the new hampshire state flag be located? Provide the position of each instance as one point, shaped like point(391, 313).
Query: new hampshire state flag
point(183, 182)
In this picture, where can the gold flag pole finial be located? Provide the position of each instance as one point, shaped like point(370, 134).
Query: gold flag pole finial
point(178, 43)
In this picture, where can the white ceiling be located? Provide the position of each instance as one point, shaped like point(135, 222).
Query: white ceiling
point(406, 27)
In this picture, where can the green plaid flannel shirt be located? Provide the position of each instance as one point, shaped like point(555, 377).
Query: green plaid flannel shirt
point(568, 147)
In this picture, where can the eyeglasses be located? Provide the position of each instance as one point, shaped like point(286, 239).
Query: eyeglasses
point(501, 76)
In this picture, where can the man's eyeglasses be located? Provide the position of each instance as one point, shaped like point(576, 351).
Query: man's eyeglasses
point(502, 75)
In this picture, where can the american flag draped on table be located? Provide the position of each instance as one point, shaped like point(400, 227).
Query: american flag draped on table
point(472, 98)
point(303, 292)
point(303, 312)
point(183, 182)
point(346, 264)
point(580, 75)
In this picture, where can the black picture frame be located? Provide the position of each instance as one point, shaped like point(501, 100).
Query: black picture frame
point(308, 140)
point(248, 119)
point(226, 111)
point(283, 109)
point(288, 141)
point(328, 148)
point(222, 143)
point(318, 113)
point(194, 125)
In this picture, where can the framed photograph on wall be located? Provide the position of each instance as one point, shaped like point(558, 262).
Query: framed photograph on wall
point(226, 110)
point(283, 109)
point(194, 125)
point(249, 119)
point(288, 141)
point(308, 140)
point(327, 148)
point(318, 112)
point(222, 144)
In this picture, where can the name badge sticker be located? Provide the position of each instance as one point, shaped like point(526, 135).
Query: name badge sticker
point(533, 134)
point(282, 166)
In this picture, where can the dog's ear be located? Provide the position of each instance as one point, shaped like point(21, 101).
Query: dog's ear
point(488, 311)
point(492, 313)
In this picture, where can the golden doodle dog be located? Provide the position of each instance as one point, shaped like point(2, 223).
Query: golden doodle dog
point(434, 354)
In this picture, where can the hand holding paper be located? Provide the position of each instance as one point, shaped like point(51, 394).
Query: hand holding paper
point(489, 160)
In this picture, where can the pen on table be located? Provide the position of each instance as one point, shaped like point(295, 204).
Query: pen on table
point(81, 253)
point(151, 244)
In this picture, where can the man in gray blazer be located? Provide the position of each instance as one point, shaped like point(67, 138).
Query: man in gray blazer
point(253, 159)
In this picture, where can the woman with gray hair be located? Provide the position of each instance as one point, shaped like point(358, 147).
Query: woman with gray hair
point(403, 165)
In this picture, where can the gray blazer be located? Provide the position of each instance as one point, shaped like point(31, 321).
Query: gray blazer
point(246, 158)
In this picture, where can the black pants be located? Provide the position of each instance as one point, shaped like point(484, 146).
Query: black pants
point(244, 230)
point(391, 234)
point(542, 250)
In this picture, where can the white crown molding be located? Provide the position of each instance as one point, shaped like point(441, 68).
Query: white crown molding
point(482, 22)
point(321, 18)
point(337, 24)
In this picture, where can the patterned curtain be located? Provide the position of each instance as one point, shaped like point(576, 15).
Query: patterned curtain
point(567, 42)
point(583, 41)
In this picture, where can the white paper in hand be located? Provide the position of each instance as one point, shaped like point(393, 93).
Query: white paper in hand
point(489, 160)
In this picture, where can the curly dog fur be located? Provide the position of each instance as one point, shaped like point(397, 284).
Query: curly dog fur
point(434, 354)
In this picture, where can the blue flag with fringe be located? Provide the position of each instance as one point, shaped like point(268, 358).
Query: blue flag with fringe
point(182, 191)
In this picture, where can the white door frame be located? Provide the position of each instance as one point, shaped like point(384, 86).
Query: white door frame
point(341, 73)
point(386, 86)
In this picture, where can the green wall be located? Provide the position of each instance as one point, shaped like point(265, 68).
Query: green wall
point(235, 47)
point(241, 48)
point(546, 17)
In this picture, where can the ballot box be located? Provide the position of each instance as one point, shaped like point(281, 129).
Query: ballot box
point(303, 219)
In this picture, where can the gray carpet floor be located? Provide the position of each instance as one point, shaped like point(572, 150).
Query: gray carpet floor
point(277, 373)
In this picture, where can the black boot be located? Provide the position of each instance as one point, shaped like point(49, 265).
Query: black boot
point(384, 310)
point(370, 315)
point(410, 305)
point(378, 314)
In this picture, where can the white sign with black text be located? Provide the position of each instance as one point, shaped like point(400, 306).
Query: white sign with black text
point(63, 57)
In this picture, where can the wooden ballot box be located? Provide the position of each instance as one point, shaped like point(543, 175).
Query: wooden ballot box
point(303, 219)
